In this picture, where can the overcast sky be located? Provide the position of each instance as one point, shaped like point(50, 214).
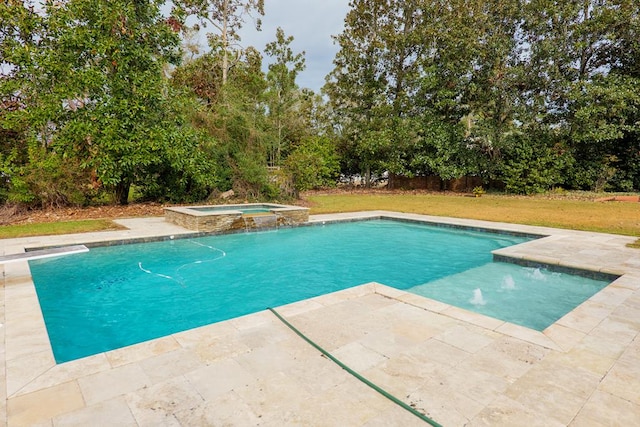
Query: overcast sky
point(311, 23)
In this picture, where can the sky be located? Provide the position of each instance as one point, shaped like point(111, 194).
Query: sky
point(311, 23)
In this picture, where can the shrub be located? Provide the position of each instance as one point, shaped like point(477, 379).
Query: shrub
point(532, 165)
point(313, 164)
point(50, 180)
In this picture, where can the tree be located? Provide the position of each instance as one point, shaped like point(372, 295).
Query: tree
point(605, 109)
point(313, 163)
point(19, 26)
point(357, 85)
point(94, 90)
point(564, 44)
point(533, 162)
point(491, 94)
point(227, 17)
point(233, 116)
point(282, 91)
point(202, 76)
point(400, 82)
point(576, 84)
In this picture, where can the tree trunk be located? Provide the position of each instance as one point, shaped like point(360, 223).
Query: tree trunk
point(225, 44)
point(122, 192)
point(367, 177)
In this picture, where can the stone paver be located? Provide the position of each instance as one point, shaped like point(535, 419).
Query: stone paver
point(457, 367)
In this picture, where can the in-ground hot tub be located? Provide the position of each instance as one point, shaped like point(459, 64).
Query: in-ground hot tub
point(224, 218)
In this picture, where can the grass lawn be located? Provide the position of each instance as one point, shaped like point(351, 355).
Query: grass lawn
point(558, 212)
point(53, 228)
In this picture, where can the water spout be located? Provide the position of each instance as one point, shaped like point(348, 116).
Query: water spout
point(477, 299)
point(537, 274)
point(508, 282)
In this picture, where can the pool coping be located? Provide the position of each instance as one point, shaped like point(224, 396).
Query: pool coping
point(28, 359)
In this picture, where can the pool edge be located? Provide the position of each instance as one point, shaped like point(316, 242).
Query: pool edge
point(19, 276)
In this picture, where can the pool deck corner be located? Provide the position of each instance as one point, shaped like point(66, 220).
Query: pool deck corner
point(457, 367)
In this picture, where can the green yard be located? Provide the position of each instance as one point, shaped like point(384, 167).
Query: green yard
point(561, 212)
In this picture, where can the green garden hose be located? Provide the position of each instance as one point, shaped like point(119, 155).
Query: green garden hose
point(355, 374)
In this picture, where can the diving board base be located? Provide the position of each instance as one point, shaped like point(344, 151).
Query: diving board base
point(43, 253)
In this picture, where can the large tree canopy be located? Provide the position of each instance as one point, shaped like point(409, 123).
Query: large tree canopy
point(92, 90)
point(526, 95)
point(469, 87)
point(282, 94)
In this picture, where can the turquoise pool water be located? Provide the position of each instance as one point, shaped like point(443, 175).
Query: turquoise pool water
point(115, 296)
point(531, 297)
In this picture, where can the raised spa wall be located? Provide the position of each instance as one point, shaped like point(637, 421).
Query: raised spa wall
point(234, 220)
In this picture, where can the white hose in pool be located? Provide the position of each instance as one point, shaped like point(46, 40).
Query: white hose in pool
point(181, 279)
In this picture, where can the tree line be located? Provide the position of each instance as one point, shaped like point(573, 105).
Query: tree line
point(105, 100)
point(527, 94)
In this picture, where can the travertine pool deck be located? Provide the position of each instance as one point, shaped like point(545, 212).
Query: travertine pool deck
point(457, 367)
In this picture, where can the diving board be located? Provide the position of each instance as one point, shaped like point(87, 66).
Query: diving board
point(43, 253)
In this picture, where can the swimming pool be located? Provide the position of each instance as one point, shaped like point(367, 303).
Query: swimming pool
point(116, 296)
